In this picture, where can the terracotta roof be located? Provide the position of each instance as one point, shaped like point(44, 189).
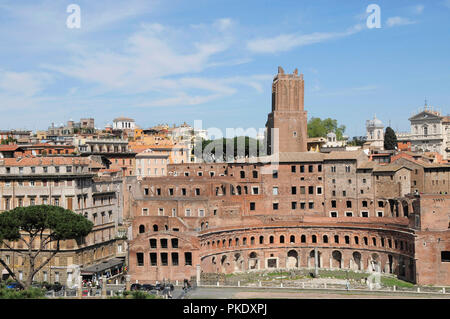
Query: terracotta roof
point(44, 161)
point(367, 165)
point(389, 168)
point(8, 148)
point(338, 155)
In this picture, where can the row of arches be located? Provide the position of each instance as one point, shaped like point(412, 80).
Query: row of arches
point(355, 260)
point(400, 244)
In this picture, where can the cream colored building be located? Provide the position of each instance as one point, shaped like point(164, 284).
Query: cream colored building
point(430, 132)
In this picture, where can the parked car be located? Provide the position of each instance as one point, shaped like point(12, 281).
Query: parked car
point(148, 287)
point(135, 287)
point(15, 285)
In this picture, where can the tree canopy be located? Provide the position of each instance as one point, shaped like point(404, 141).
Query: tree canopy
point(390, 139)
point(37, 227)
point(320, 128)
point(225, 149)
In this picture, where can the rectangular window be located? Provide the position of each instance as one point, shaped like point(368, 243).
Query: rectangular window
point(319, 190)
point(310, 168)
point(302, 168)
point(364, 214)
point(333, 203)
point(255, 190)
point(311, 205)
point(293, 190)
point(163, 242)
point(348, 214)
point(153, 243)
point(294, 205)
point(310, 190)
point(153, 259)
point(174, 242)
point(187, 212)
point(293, 169)
point(164, 259)
point(188, 259)
point(275, 174)
point(144, 211)
point(201, 213)
point(445, 256)
point(302, 189)
point(140, 259)
point(252, 206)
point(174, 259)
point(160, 211)
point(275, 191)
point(334, 214)
point(275, 206)
point(302, 205)
point(197, 192)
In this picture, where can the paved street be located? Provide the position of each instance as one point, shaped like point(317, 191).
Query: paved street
point(249, 293)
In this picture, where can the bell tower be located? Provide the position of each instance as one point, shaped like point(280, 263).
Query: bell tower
point(288, 116)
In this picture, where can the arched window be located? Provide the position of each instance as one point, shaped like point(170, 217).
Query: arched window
point(292, 239)
point(252, 240)
point(303, 239)
point(155, 227)
point(336, 239)
point(261, 239)
point(141, 229)
point(271, 239)
point(325, 239)
point(281, 239)
point(314, 239)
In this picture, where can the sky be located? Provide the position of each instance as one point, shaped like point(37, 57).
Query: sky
point(174, 61)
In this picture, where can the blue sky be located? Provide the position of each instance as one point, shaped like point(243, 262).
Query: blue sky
point(173, 61)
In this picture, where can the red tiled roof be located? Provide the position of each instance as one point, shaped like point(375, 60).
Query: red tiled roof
point(43, 161)
point(8, 148)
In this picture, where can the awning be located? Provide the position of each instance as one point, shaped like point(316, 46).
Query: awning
point(100, 267)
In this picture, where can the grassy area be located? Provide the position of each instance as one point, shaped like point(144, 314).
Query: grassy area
point(299, 274)
point(389, 282)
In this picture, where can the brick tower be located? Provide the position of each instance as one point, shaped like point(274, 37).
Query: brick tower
point(288, 115)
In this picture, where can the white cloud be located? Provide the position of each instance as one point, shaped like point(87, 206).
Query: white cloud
point(22, 83)
point(223, 24)
point(418, 9)
point(286, 42)
point(394, 21)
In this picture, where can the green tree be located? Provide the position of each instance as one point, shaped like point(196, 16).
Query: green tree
point(8, 141)
point(320, 128)
point(225, 149)
point(38, 227)
point(390, 139)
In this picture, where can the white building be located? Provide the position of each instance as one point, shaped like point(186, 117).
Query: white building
point(430, 132)
point(187, 135)
point(123, 123)
point(375, 133)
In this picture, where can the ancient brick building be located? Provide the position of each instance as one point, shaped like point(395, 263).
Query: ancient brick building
point(275, 211)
